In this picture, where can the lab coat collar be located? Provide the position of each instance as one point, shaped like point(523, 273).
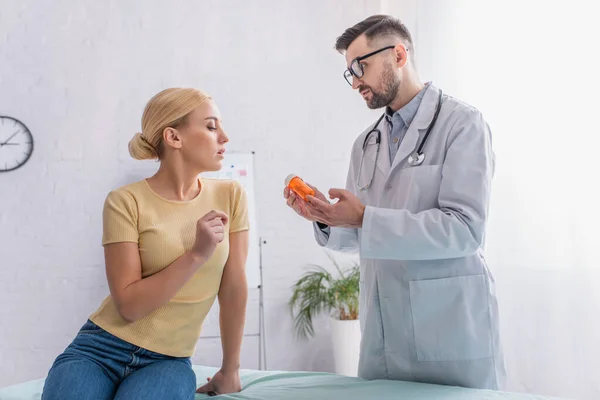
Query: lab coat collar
point(420, 122)
point(384, 162)
point(427, 108)
point(383, 157)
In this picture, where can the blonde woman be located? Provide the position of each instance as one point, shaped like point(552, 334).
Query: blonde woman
point(173, 243)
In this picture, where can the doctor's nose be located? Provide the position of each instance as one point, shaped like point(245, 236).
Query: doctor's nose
point(356, 82)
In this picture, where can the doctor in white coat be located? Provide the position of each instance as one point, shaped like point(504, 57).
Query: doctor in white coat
point(415, 209)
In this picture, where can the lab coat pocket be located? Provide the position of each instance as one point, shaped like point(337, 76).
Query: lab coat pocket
point(451, 318)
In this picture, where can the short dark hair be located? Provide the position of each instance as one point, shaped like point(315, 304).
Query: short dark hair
point(374, 27)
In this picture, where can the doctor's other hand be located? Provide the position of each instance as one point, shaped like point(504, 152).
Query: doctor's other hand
point(347, 212)
point(302, 207)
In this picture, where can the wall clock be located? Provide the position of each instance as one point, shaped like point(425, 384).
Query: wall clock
point(16, 144)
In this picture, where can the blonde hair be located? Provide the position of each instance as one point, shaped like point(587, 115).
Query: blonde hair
point(168, 108)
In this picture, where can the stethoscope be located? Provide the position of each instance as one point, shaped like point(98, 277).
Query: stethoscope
point(414, 159)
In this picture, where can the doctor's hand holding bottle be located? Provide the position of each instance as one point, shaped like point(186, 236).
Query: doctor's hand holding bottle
point(301, 206)
point(346, 212)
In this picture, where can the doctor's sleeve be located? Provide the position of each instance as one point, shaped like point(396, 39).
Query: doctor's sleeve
point(337, 239)
point(455, 229)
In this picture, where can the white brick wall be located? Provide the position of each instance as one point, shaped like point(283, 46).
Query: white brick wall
point(78, 75)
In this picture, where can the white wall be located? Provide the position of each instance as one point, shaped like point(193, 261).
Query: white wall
point(78, 75)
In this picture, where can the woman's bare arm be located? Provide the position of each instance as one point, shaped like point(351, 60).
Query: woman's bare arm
point(233, 296)
point(136, 297)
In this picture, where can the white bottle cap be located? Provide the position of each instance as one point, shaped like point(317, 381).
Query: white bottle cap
point(289, 178)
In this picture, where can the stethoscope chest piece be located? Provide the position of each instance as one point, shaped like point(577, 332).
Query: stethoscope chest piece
point(416, 159)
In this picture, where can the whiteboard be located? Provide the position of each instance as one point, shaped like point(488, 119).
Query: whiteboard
point(240, 167)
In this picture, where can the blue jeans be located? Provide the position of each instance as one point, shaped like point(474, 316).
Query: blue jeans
point(98, 365)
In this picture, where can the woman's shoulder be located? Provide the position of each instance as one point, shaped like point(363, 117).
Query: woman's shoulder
point(127, 192)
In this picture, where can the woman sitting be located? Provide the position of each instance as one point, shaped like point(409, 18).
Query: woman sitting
point(172, 242)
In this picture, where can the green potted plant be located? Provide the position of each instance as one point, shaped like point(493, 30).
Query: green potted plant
point(318, 291)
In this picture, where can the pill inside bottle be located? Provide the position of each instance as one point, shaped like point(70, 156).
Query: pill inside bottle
point(298, 186)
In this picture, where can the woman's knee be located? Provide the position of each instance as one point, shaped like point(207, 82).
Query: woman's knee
point(77, 379)
point(182, 378)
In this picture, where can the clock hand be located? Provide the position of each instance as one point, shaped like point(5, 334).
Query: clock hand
point(9, 144)
point(12, 136)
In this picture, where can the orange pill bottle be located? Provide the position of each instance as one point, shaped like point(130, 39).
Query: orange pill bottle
point(296, 184)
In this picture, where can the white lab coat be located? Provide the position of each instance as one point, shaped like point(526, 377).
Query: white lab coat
point(428, 310)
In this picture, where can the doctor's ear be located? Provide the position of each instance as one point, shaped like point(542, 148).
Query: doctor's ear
point(401, 55)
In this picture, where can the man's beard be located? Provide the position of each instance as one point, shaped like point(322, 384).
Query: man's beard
point(391, 84)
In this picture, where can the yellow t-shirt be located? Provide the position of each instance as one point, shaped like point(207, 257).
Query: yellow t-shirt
point(165, 230)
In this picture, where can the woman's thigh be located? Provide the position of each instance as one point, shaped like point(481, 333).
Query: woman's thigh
point(165, 379)
point(91, 367)
point(75, 378)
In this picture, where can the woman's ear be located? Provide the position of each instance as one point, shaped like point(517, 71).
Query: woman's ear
point(172, 137)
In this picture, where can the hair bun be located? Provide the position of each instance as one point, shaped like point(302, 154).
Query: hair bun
point(141, 149)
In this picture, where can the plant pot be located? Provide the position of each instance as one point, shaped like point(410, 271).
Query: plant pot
point(345, 335)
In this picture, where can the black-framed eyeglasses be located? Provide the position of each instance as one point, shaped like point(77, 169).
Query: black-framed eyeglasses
point(356, 68)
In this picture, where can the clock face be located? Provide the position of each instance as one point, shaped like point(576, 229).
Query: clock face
point(16, 144)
